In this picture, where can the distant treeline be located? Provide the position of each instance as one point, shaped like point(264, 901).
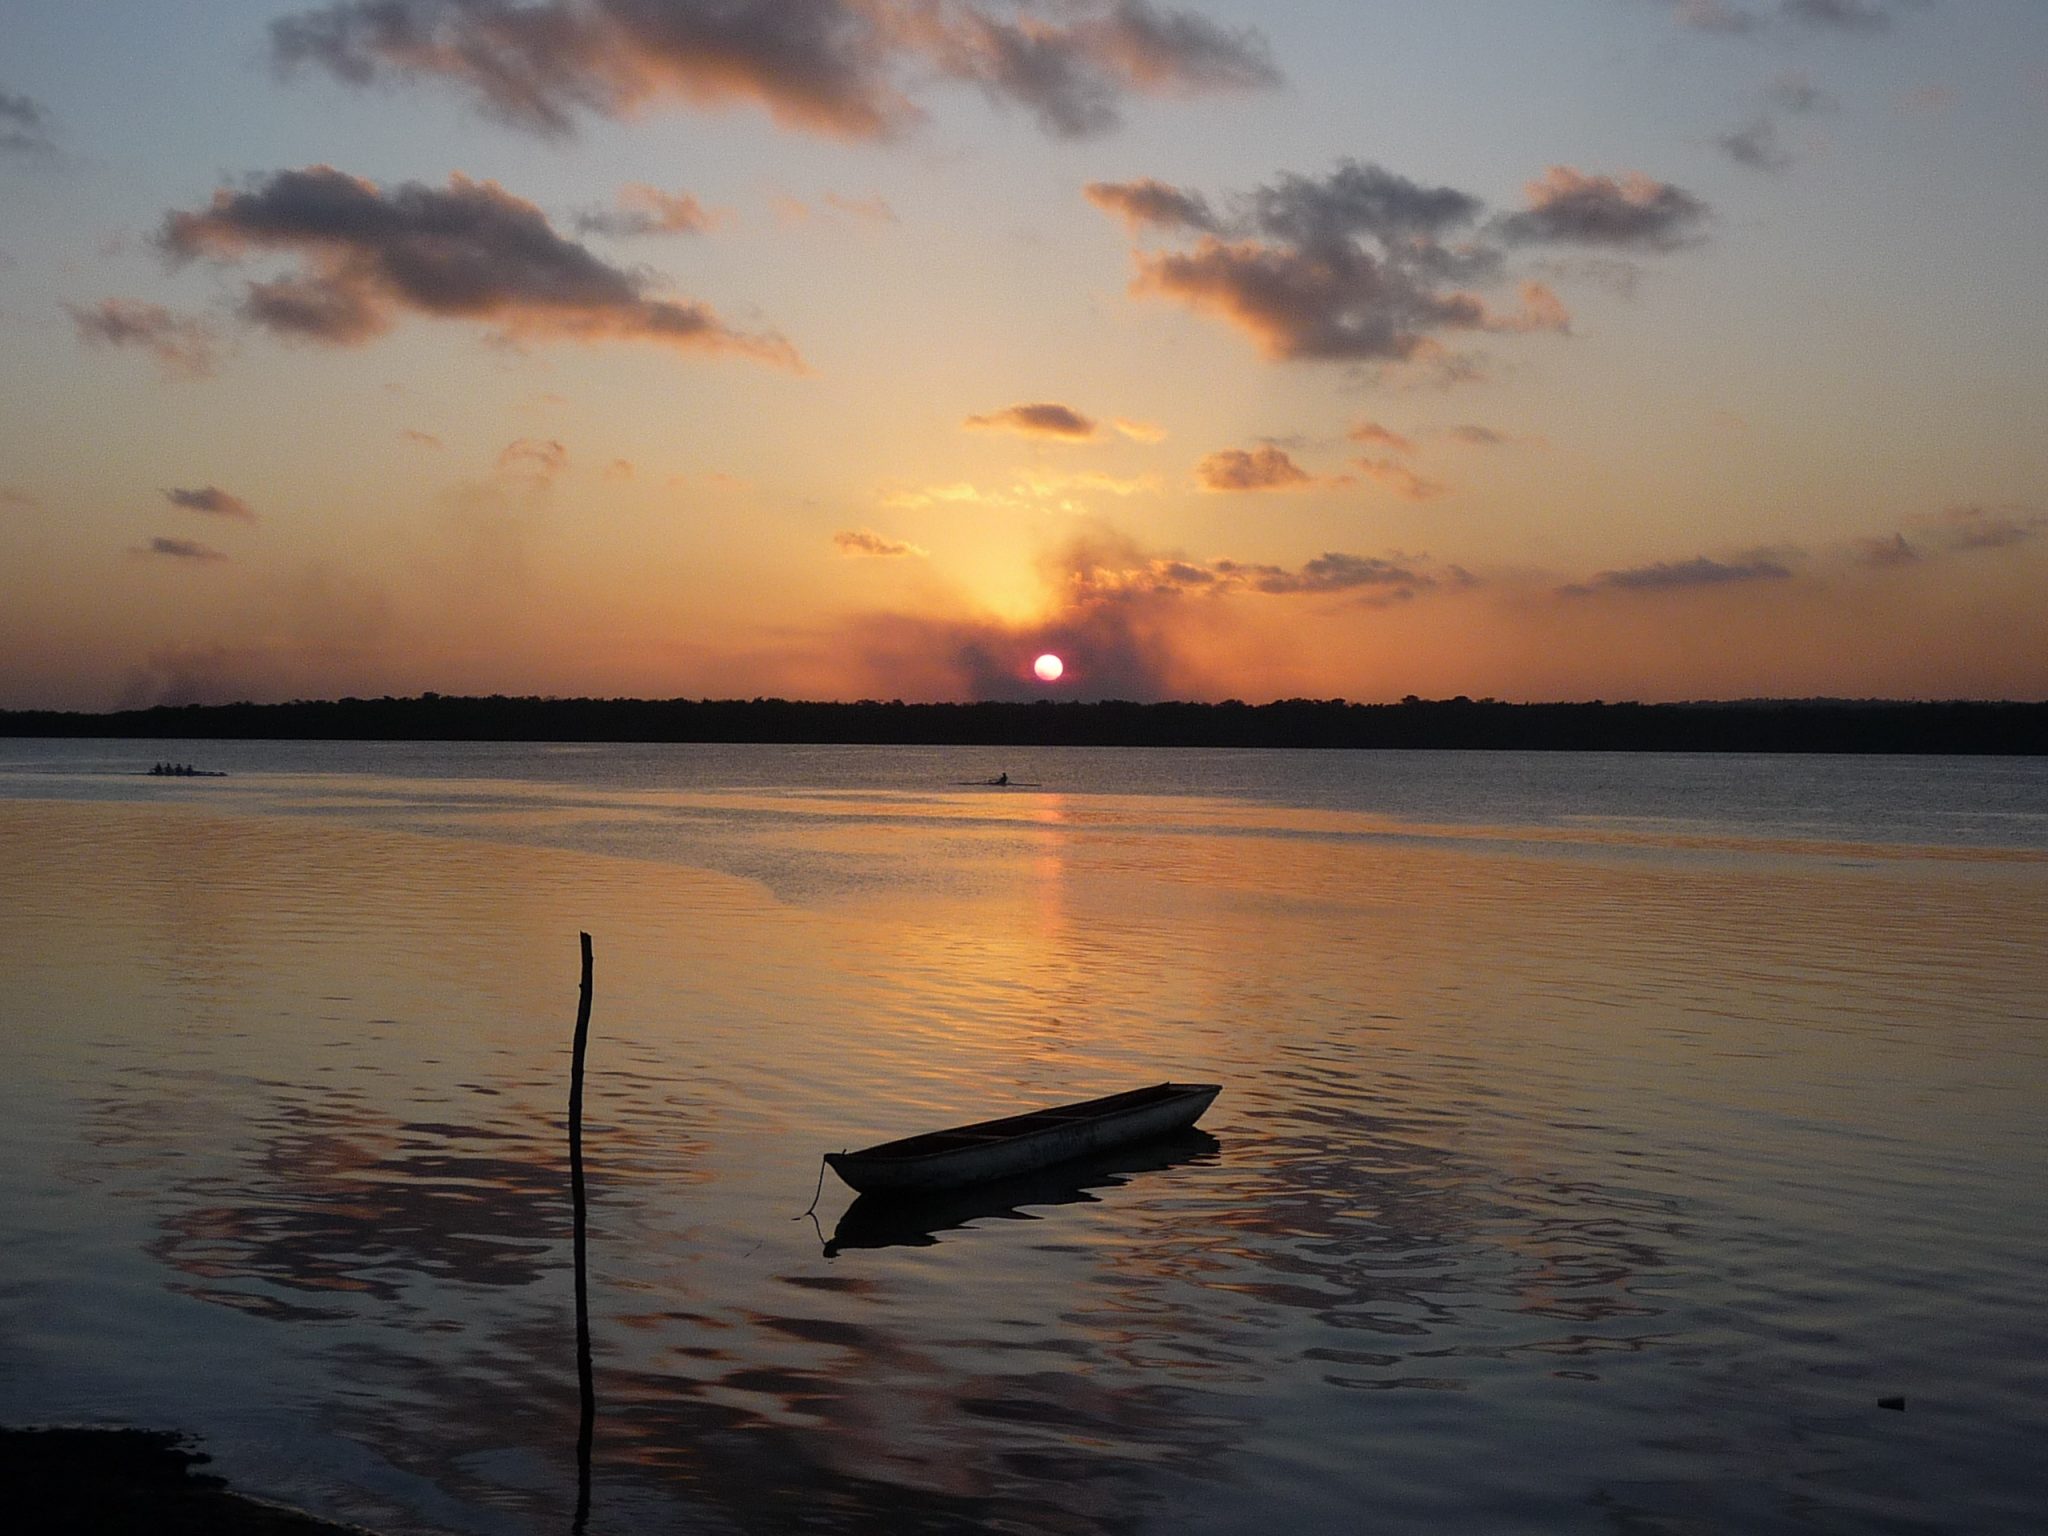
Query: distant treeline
point(1806, 725)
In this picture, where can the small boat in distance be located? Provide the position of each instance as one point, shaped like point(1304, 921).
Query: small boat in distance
point(1015, 1144)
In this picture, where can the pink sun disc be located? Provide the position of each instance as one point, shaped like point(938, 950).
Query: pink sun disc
point(1048, 667)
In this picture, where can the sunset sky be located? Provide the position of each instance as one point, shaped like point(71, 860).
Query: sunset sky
point(870, 348)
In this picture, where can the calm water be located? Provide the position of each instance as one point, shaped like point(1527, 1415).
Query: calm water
point(1601, 1137)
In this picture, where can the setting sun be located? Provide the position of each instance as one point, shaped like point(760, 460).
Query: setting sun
point(1048, 667)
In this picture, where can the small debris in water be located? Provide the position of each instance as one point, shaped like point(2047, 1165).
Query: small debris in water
point(1898, 1403)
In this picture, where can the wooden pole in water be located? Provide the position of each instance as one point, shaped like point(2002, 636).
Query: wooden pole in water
point(586, 1387)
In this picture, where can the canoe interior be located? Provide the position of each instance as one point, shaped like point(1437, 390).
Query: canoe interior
point(984, 1132)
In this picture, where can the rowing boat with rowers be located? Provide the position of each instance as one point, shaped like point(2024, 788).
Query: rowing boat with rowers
point(1001, 1149)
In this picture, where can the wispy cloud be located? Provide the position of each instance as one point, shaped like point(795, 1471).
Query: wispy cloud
point(1759, 142)
point(1885, 553)
point(1700, 571)
point(1400, 480)
point(213, 500)
point(24, 126)
point(1043, 419)
point(873, 208)
point(470, 250)
point(180, 549)
point(1740, 17)
point(641, 209)
point(857, 543)
point(1374, 434)
point(421, 439)
point(532, 458)
point(1978, 527)
point(1147, 203)
point(185, 347)
point(844, 68)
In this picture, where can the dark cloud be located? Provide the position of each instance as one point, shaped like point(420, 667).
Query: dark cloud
point(1327, 573)
point(1734, 17)
point(1043, 419)
point(180, 549)
point(185, 347)
point(1262, 469)
point(24, 126)
point(866, 542)
point(1852, 15)
point(1473, 435)
point(1148, 202)
point(1342, 303)
point(1968, 528)
point(1630, 212)
point(1796, 93)
point(211, 499)
point(646, 210)
point(1130, 623)
point(1894, 551)
point(1757, 144)
point(1715, 16)
point(1365, 265)
point(1699, 571)
point(470, 250)
point(1367, 200)
point(840, 67)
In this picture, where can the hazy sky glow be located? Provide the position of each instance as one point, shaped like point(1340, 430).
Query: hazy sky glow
point(875, 348)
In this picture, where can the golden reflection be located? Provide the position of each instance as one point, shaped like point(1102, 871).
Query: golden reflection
point(1505, 1113)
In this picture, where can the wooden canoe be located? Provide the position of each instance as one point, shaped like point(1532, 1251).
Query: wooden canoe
point(1016, 1144)
point(909, 1220)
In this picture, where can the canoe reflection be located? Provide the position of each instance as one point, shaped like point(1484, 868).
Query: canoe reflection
point(915, 1221)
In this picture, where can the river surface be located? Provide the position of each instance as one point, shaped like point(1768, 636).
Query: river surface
point(1601, 1137)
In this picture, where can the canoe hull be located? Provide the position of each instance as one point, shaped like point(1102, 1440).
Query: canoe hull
point(1021, 1144)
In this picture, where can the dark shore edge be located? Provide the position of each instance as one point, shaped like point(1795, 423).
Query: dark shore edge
point(83, 1481)
point(1957, 727)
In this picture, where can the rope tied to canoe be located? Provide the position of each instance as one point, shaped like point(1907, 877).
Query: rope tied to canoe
point(818, 1193)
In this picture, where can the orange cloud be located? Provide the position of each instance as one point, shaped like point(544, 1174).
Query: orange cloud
point(1060, 422)
point(865, 542)
point(648, 210)
point(1262, 469)
point(186, 348)
point(1147, 202)
point(538, 459)
point(1401, 480)
point(1385, 437)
